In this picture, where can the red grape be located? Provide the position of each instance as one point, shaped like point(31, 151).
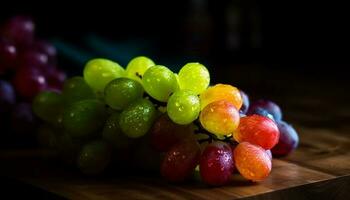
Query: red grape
point(288, 140)
point(258, 130)
point(252, 161)
point(216, 164)
point(165, 133)
point(29, 81)
point(181, 160)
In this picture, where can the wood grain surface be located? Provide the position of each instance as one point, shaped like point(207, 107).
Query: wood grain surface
point(318, 169)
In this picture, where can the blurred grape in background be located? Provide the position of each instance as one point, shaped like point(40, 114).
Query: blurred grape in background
point(27, 67)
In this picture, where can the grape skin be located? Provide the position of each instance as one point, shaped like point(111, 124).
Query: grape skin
point(120, 92)
point(194, 77)
point(76, 89)
point(99, 72)
point(159, 82)
point(183, 107)
point(136, 120)
point(137, 67)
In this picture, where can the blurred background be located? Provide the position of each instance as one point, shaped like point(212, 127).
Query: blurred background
point(293, 53)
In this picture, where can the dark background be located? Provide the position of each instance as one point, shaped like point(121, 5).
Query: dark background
point(295, 53)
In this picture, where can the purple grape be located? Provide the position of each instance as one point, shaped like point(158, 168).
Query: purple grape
point(269, 106)
point(245, 104)
point(46, 48)
point(7, 97)
point(288, 140)
point(262, 112)
point(29, 81)
point(33, 58)
point(8, 55)
point(20, 30)
point(23, 120)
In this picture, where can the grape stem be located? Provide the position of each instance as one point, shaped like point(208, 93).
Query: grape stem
point(211, 137)
point(155, 102)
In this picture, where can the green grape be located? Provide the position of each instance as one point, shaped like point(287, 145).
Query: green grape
point(183, 107)
point(113, 134)
point(99, 72)
point(137, 67)
point(67, 148)
point(94, 157)
point(120, 92)
point(76, 89)
point(137, 118)
point(46, 136)
point(195, 77)
point(159, 82)
point(84, 118)
point(48, 105)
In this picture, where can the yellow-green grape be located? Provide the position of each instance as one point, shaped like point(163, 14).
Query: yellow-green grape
point(137, 67)
point(99, 72)
point(195, 77)
point(159, 82)
point(183, 107)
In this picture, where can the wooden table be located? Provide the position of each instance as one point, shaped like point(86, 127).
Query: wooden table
point(318, 169)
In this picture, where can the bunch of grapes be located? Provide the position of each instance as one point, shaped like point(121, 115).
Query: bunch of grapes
point(148, 117)
point(27, 66)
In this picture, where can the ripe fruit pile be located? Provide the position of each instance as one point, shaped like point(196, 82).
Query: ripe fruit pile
point(148, 117)
point(27, 66)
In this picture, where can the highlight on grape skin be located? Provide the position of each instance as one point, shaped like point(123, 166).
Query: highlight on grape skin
point(252, 161)
point(220, 117)
point(258, 130)
point(221, 92)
